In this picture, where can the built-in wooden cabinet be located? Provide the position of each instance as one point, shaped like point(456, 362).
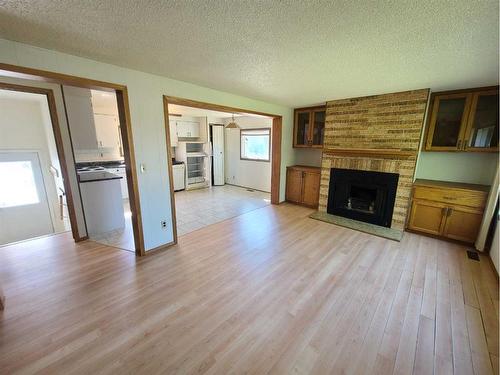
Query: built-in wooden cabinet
point(448, 209)
point(464, 120)
point(302, 185)
point(309, 127)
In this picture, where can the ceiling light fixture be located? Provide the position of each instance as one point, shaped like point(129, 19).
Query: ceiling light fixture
point(232, 124)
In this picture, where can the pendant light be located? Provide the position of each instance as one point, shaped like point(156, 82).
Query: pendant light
point(232, 124)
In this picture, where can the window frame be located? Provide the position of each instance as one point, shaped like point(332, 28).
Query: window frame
point(268, 149)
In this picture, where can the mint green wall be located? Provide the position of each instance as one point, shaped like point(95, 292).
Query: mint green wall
point(146, 109)
point(469, 167)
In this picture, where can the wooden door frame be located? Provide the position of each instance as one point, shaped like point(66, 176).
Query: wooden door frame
point(14, 71)
point(275, 145)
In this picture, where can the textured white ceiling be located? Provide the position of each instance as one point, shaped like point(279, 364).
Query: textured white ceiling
point(293, 52)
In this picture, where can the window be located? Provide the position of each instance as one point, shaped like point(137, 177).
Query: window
point(20, 189)
point(255, 144)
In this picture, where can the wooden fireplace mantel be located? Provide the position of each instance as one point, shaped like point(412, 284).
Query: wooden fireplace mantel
point(386, 153)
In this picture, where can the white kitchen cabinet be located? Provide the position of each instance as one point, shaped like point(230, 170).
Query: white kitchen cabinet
point(173, 132)
point(120, 171)
point(188, 129)
point(107, 131)
point(80, 118)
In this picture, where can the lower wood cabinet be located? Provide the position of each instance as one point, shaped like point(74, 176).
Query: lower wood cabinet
point(447, 209)
point(302, 185)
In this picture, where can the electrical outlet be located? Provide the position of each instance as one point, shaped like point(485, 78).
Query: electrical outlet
point(163, 224)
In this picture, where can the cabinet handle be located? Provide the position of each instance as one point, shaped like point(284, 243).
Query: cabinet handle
point(450, 198)
point(450, 210)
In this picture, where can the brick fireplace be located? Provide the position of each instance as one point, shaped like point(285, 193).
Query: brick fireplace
point(378, 133)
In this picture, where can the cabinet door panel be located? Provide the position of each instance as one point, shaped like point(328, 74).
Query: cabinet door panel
point(448, 121)
point(80, 118)
point(318, 128)
point(462, 224)
point(294, 183)
point(426, 217)
point(310, 194)
point(302, 128)
point(482, 131)
point(107, 131)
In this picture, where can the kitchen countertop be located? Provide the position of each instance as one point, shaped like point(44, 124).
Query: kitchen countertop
point(105, 164)
point(97, 176)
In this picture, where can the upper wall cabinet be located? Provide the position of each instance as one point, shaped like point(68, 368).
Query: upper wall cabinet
point(309, 127)
point(465, 120)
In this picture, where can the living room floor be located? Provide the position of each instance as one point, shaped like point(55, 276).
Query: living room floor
point(269, 291)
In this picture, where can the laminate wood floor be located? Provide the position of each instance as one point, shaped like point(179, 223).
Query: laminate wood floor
point(270, 291)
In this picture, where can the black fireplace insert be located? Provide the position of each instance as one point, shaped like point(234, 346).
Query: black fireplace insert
point(362, 195)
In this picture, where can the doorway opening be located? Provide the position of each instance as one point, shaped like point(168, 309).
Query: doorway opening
point(32, 196)
point(49, 84)
point(94, 126)
point(224, 162)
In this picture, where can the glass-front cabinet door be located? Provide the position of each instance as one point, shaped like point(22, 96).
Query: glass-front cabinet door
point(448, 120)
point(302, 128)
point(482, 129)
point(318, 128)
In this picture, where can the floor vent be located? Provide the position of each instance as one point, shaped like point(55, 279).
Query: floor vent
point(473, 255)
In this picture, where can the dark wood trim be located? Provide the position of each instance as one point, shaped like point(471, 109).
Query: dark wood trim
point(372, 152)
point(170, 174)
point(213, 107)
point(2, 299)
point(270, 145)
point(130, 169)
point(14, 71)
point(59, 147)
point(276, 159)
point(275, 136)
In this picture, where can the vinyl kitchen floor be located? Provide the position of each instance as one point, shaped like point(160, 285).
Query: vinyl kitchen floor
point(121, 238)
point(196, 209)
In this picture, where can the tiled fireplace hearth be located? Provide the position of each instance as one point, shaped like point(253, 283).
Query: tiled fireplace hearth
point(375, 134)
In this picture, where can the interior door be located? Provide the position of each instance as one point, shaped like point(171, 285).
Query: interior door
point(24, 208)
point(218, 154)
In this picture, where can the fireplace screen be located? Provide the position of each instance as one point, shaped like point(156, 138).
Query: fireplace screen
point(362, 195)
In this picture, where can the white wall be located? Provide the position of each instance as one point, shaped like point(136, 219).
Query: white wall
point(23, 126)
point(146, 108)
point(246, 173)
point(310, 157)
point(469, 167)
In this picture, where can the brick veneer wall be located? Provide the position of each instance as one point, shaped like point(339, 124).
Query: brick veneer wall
point(391, 122)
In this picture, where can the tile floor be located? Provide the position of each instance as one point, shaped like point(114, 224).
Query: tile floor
point(122, 238)
point(195, 209)
point(198, 208)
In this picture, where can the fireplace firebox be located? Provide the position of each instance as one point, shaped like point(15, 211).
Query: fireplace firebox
point(362, 195)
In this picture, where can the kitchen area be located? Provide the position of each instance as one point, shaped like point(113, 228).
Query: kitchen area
point(99, 160)
point(205, 149)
